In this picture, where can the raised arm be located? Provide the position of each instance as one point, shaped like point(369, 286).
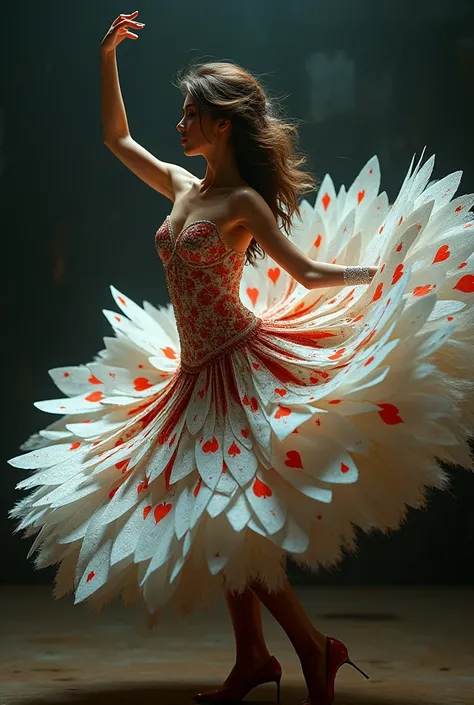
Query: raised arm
point(162, 176)
point(256, 216)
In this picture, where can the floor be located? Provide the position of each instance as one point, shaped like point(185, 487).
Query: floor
point(415, 644)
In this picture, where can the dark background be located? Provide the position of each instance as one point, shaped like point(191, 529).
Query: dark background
point(377, 77)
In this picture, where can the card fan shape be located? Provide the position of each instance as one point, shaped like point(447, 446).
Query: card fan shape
point(157, 485)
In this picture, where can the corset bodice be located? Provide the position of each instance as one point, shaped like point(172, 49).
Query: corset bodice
point(203, 275)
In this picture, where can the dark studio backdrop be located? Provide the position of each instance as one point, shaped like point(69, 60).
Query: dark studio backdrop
point(381, 77)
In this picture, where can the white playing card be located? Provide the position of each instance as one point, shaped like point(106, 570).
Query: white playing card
point(239, 512)
point(221, 542)
point(200, 402)
point(240, 461)
point(267, 502)
point(156, 537)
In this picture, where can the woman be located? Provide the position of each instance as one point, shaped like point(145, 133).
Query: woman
point(218, 449)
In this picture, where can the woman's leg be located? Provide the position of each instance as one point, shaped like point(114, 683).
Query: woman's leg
point(308, 642)
point(251, 650)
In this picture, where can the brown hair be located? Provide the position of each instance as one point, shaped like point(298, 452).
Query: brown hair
point(264, 143)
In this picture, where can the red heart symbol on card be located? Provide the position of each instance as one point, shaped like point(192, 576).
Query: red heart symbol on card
point(169, 352)
point(465, 284)
point(442, 254)
point(398, 273)
point(123, 464)
point(141, 383)
point(281, 392)
point(260, 489)
point(390, 414)
point(293, 459)
point(423, 290)
point(95, 396)
point(252, 293)
point(378, 292)
point(253, 404)
point(274, 274)
point(282, 411)
point(211, 446)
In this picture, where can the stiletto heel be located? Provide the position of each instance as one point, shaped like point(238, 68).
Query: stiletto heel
point(336, 656)
point(278, 688)
point(270, 672)
point(357, 668)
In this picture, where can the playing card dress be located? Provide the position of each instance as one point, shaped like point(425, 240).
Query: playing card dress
point(253, 419)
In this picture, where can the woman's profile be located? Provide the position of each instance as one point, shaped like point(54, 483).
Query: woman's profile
point(313, 366)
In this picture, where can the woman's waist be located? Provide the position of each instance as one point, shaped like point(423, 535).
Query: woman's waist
point(200, 343)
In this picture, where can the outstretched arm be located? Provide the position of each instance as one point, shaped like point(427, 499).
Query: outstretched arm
point(161, 176)
point(256, 216)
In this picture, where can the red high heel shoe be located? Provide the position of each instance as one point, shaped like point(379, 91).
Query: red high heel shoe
point(336, 656)
point(270, 672)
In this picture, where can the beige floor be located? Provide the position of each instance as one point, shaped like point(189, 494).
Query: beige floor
point(417, 646)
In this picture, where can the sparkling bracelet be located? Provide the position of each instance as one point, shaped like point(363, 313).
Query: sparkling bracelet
point(357, 275)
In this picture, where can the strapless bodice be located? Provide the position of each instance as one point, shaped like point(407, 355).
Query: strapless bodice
point(203, 275)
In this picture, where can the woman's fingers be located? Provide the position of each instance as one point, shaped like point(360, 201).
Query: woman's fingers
point(125, 33)
point(129, 23)
point(119, 30)
point(123, 17)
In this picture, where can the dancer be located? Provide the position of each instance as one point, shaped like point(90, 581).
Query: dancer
point(278, 401)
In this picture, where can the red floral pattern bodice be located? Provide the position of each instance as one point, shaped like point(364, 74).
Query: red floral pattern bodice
point(203, 275)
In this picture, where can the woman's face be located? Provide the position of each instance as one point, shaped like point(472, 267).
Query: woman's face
point(196, 140)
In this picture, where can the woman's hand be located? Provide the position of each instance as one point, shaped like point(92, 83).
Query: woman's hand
point(119, 30)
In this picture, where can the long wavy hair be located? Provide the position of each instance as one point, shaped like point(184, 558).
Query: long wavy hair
point(264, 142)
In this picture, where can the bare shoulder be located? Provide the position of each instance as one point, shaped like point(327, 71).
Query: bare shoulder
point(250, 210)
point(247, 197)
point(255, 215)
point(246, 203)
